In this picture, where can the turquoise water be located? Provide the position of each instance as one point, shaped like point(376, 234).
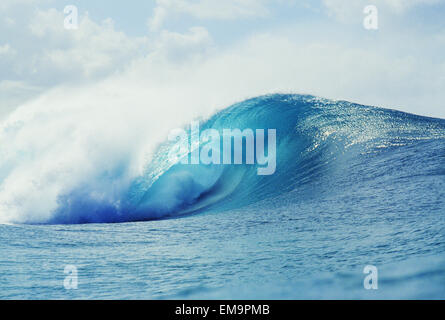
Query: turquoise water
point(354, 186)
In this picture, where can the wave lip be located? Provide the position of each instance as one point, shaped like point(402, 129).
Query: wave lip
point(317, 140)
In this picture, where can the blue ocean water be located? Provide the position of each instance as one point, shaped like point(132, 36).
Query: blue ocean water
point(354, 186)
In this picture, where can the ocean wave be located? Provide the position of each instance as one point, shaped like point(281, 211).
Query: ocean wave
point(317, 139)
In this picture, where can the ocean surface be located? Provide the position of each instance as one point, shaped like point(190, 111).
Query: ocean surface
point(354, 186)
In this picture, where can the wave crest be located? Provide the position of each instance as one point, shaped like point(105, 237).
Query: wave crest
point(315, 137)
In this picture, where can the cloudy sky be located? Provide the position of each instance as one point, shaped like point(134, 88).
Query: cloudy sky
point(224, 51)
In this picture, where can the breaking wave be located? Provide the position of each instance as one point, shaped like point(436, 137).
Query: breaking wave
point(319, 142)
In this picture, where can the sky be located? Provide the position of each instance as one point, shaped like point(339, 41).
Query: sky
point(227, 50)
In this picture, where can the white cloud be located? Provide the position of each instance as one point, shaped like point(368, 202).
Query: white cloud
point(208, 9)
point(9, 22)
point(156, 21)
point(6, 50)
point(40, 53)
point(401, 5)
point(347, 10)
point(180, 46)
point(47, 54)
point(92, 50)
point(6, 4)
point(15, 93)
